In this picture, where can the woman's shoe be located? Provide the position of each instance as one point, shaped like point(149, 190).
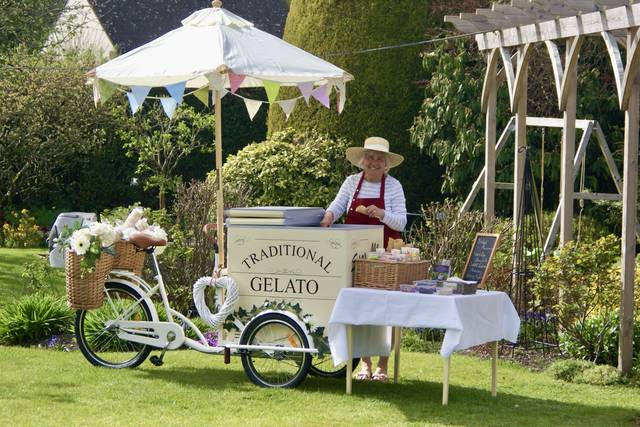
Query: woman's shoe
point(380, 375)
point(363, 376)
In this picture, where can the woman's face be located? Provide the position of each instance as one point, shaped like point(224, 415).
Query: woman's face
point(373, 165)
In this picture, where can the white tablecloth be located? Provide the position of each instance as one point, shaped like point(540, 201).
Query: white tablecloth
point(469, 320)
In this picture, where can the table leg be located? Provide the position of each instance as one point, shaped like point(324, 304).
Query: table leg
point(397, 331)
point(494, 360)
point(445, 382)
point(349, 358)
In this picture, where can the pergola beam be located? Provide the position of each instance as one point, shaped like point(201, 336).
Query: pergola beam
point(609, 19)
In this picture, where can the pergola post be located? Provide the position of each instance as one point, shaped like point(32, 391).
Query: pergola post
point(519, 101)
point(568, 148)
point(490, 91)
point(629, 215)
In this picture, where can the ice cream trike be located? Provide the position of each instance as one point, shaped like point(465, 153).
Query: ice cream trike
point(280, 289)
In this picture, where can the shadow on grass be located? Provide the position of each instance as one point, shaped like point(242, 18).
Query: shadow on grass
point(419, 401)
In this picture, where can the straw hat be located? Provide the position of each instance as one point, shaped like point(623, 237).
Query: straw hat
point(374, 143)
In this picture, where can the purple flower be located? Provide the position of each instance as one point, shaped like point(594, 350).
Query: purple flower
point(212, 339)
point(53, 341)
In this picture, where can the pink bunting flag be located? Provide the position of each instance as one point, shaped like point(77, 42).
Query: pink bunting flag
point(235, 80)
point(322, 95)
point(305, 90)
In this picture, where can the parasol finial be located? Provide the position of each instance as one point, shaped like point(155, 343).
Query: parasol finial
point(217, 4)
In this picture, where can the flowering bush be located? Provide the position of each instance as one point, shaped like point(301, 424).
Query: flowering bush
point(21, 231)
point(89, 242)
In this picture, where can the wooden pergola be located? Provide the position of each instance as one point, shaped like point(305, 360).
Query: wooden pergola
point(508, 32)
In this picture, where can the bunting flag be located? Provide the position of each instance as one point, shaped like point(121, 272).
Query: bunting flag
point(252, 107)
point(235, 80)
point(103, 90)
point(203, 95)
point(176, 91)
point(287, 106)
point(133, 103)
point(169, 106)
point(272, 89)
point(215, 81)
point(305, 90)
point(322, 95)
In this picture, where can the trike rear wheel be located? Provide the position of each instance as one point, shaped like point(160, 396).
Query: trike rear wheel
point(275, 368)
point(100, 345)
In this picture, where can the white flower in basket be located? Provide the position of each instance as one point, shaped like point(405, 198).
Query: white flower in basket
point(90, 242)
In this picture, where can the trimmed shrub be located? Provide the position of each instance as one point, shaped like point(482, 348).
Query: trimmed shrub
point(566, 370)
point(290, 169)
point(384, 96)
point(34, 317)
point(598, 375)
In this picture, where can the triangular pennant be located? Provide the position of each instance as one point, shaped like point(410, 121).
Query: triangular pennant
point(96, 93)
point(287, 106)
point(235, 80)
point(305, 90)
point(272, 89)
point(203, 95)
point(133, 103)
point(176, 91)
point(169, 106)
point(105, 90)
point(140, 93)
point(322, 95)
point(215, 81)
point(252, 107)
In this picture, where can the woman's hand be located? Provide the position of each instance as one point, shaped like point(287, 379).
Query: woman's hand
point(210, 229)
point(375, 212)
point(327, 220)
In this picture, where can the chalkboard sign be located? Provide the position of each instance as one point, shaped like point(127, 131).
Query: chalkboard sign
point(480, 257)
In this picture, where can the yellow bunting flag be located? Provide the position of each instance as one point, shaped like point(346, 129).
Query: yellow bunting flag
point(203, 95)
point(272, 89)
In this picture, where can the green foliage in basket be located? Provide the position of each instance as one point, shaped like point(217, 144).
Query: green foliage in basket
point(34, 317)
point(21, 231)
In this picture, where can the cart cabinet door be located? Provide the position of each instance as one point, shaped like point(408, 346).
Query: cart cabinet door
point(298, 265)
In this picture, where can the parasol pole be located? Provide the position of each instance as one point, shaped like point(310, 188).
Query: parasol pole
point(220, 197)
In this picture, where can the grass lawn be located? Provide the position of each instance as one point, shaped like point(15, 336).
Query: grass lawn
point(11, 265)
point(46, 387)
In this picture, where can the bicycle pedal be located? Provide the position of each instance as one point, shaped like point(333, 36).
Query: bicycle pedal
point(157, 361)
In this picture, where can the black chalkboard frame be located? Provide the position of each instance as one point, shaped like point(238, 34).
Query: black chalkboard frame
point(489, 263)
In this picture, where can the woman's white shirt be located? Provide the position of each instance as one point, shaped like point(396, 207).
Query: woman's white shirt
point(395, 207)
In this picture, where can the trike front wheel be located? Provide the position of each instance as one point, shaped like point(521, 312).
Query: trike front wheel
point(101, 345)
point(275, 368)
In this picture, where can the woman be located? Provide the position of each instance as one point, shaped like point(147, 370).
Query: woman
point(371, 197)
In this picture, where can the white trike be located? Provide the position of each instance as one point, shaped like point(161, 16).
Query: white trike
point(275, 347)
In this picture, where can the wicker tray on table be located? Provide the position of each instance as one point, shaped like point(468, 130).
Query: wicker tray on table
point(387, 275)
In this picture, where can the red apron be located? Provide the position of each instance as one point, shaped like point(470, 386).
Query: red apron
point(354, 217)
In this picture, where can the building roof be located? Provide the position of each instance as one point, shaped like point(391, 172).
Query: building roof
point(130, 24)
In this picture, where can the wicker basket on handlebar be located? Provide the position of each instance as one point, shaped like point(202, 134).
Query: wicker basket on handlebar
point(128, 257)
point(85, 291)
